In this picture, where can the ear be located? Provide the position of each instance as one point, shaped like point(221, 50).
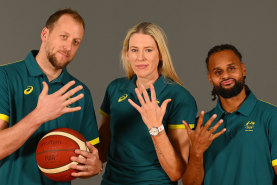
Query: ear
point(44, 34)
point(210, 78)
point(243, 69)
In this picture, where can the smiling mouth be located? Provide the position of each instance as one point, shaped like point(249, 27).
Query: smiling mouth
point(227, 82)
point(64, 54)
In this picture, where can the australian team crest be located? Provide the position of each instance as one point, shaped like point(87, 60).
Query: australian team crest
point(249, 126)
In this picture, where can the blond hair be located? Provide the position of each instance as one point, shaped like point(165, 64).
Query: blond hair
point(165, 66)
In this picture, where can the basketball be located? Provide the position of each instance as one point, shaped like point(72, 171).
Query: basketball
point(54, 151)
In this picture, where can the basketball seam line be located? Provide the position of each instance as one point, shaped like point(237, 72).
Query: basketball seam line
point(61, 133)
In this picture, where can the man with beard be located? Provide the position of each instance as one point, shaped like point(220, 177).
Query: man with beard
point(247, 151)
point(37, 95)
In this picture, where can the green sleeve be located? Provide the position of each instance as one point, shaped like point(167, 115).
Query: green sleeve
point(105, 107)
point(273, 138)
point(89, 127)
point(183, 107)
point(4, 97)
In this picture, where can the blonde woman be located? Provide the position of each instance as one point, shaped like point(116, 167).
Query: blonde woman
point(142, 136)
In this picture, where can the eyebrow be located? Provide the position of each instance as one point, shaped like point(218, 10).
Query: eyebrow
point(143, 47)
point(65, 32)
point(230, 64)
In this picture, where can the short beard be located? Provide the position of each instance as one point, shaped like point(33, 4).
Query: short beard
point(53, 60)
point(229, 93)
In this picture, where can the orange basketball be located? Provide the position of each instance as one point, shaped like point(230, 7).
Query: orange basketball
point(54, 151)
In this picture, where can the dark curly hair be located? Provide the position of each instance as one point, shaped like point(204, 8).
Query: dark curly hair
point(222, 47)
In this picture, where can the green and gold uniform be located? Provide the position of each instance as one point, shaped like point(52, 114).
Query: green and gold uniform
point(21, 84)
point(132, 158)
point(246, 152)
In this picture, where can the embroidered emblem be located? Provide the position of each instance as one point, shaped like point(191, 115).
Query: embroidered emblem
point(123, 97)
point(28, 90)
point(249, 126)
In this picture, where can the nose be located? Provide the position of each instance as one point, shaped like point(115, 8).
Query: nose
point(224, 75)
point(140, 55)
point(68, 45)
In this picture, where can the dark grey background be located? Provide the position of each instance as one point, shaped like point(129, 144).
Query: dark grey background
point(192, 28)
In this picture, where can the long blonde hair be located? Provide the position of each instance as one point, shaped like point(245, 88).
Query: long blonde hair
point(165, 67)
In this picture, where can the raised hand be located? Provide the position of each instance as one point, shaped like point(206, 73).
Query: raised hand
point(89, 164)
point(54, 105)
point(149, 110)
point(203, 136)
